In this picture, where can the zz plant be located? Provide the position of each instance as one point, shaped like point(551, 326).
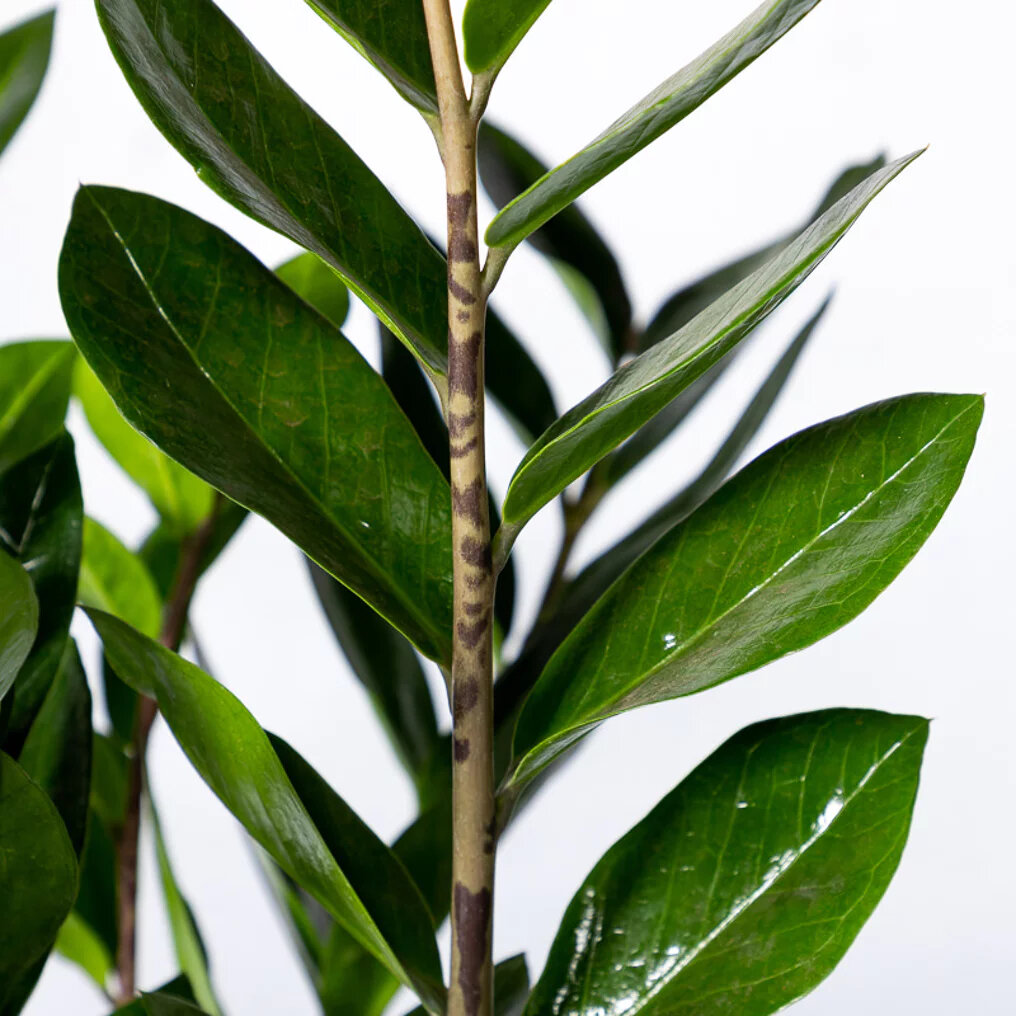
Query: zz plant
point(745, 885)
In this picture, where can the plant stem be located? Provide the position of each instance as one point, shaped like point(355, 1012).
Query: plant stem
point(472, 675)
point(174, 624)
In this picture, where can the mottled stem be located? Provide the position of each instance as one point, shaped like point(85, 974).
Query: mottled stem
point(472, 676)
point(174, 624)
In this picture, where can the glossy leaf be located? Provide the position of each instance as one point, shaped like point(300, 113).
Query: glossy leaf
point(255, 142)
point(40, 525)
point(643, 386)
point(791, 549)
point(116, 580)
point(268, 402)
point(24, 57)
point(182, 499)
point(235, 757)
point(35, 386)
point(19, 619)
point(57, 753)
point(187, 943)
point(653, 116)
point(491, 29)
point(316, 283)
point(745, 886)
point(38, 877)
point(392, 35)
point(569, 239)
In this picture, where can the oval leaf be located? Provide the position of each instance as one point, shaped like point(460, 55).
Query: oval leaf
point(744, 887)
point(791, 549)
point(641, 388)
point(664, 107)
point(19, 619)
point(255, 142)
point(491, 29)
point(24, 57)
point(236, 759)
point(259, 395)
point(38, 877)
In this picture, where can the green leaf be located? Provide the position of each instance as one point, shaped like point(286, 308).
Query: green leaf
point(263, 398)
point(235, 757)
point(96, 905)
point(178, 990)
point(788, 551)
point(570, 240)
point(511, 987)
point(181, 498)
point(352, 982)
point(57, 753)
point(643, 386)
point(35, 386)
point(745, 886)
point(19, 620)
point(24, 57)
point(158, 1004)
point(491, 29)
point(38, 877)
point(79, 944)
point(652, 117)
point(187, 942)
point(387, 667)
point(116, 580)
point(392, 35)
point(316, 283)
point(256, 143)
point(40, 525)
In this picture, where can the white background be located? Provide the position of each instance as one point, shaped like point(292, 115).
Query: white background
point(925, 302)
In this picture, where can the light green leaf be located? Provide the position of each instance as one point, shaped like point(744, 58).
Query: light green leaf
point(788, 551)
point(182, 499)
point(35, 386)
point(653, 116)
point(24, 57)
point(744, 887)
point(235, 757)
point(19, 619)
point(491, 29)
point(255, 142)
point(392, 35)
point(263, 398)
point(643, 386)
point(316, 283)
point(78, 943)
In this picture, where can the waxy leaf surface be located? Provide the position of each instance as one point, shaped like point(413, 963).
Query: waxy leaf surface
point(35, 386)
point(234, 756)
point(645, 385)
point(792, 548)
point(653, 116)
point(255, 142)
point(265, 400)
point(392, 35)
point(24, 57)
point(491, 29)
point(38, 879)
point(745, 886)
point(40, 526)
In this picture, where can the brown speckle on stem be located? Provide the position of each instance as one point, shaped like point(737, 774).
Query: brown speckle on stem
point(472, 927)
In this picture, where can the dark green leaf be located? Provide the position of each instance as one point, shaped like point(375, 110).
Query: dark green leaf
point(19, 619)
point(24, 57)
point(425, 849)
point(511, 987)
point(569, 239)
point(268, 401)
point(116, 580)
point(491, 29)
point(642, 387)
point(792, 548)
point(159, 1004)
point(35, 385)
point(392, 35)
point(40, 525)
point(667, 105)
point(182, 499)
point(746, 885)
point(255, 142)
point(57, 753)
point(96, 903)
point(234, 756)
point(352, 982)
point(178, 988)
point(187, 942)
point(38, 878)
point(316, 283)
